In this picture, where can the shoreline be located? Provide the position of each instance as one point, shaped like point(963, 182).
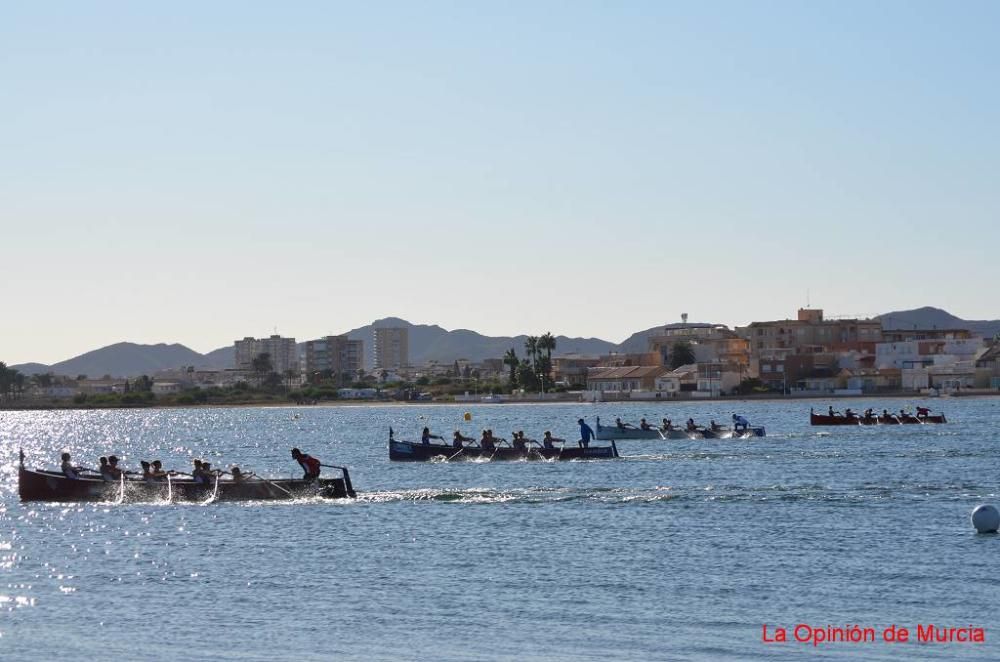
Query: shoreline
point(49, 406)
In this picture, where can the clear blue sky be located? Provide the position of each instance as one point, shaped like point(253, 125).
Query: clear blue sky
point(197, 172)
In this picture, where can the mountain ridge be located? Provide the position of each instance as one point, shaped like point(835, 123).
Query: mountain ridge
point(428, 342)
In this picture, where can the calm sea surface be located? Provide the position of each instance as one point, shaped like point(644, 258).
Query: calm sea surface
point(680, 550)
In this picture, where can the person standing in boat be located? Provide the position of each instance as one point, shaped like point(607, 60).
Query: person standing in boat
point(740, 424)
point(426, 436)
point(309, 464)
point(923, 412)
point(69, 469)
point(586, 433)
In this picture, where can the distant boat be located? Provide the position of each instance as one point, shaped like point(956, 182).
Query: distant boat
point(604, 432)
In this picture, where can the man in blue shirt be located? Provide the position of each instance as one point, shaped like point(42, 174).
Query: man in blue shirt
point(586, 433)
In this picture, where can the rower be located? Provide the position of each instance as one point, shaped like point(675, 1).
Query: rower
point(923, 412)
point(849, 414)
point(426, 436)
point(198, 473)
point(113, 469)
point(667, 425)
point(309, 464)
point(457, 439)
point(548, 441)
point(586, 433)
point(68, 469)
point(157, 473)
point(691, 426)
point(487, 443)
point(517, 441)
point(885, 413)
point(714, 426)
point(103, 469)
point(147, 473)
point(740, 424)
point(208, 472)
point(238, 475)
point(832, 412)
point(644, 425)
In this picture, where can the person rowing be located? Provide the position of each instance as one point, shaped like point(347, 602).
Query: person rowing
point(458, 440)
point(69, 469)
point(486, 442)
point(691, 425)
point(210, 474)
point(103, 469)
point(198, 473)
point(923, 412)
point(426, 436)
point(238, 475)
point(310, 465)
point(548, 441)
point(623, 426)
point(667, 425)
point(832, 413)
point(715, 427)
point(849, 414)
point(157, 473)
point(586, 433)
point(643, 425)
point(113, 469)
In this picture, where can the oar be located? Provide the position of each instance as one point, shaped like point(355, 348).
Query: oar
point(461, 449)
point(275, 485)
point(497, 447)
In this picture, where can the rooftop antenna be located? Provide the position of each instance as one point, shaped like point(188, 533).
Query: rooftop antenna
point(684, 318)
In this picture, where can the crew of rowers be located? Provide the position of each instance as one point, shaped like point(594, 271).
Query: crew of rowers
point(740, 423)
point(489, 442)
point(201, 472)
point(922, 412)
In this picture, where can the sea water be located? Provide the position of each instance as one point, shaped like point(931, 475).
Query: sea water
point(679, 550)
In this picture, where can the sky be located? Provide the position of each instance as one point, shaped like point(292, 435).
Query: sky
point(199, 172)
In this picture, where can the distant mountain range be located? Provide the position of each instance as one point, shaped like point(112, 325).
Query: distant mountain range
point(427, 343)
point(935, 318)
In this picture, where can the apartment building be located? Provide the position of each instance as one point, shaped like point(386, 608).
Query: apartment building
point(337, 354)
point(283, 352)
point(391, 348)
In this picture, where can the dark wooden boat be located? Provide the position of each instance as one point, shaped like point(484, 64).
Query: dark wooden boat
point(414, 451)
point(40, 485)
point(891, 419)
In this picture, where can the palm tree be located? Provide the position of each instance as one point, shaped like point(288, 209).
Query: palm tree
point(510, 358)
point(548, 343)
point(531, 347)
point(261, 365)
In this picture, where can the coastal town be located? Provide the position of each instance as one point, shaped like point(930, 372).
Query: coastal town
point(810, 355)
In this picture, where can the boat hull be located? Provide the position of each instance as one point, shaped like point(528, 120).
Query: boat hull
point(52, 486)
point(823, 419)
point(407, 451)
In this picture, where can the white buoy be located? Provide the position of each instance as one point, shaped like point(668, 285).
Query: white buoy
point(986, 519)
